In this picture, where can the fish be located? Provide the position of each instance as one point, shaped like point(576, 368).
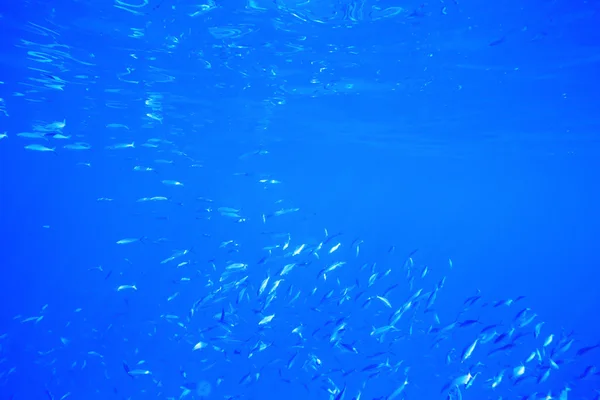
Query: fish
point(468, 351)
point(130, 240)
point(243, 291)
point(40, 148)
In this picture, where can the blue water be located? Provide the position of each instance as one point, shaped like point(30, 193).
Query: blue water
point(447, 147)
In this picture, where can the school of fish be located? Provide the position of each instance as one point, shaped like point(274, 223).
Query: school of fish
point(251, 306)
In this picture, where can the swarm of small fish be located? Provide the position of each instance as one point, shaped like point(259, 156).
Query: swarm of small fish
point(326, 324)
point(280, 315)
point(316, 317)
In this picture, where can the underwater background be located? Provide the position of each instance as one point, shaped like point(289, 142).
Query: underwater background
point(277, 199)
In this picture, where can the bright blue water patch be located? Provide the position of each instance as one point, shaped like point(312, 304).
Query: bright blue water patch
point(300, 200)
